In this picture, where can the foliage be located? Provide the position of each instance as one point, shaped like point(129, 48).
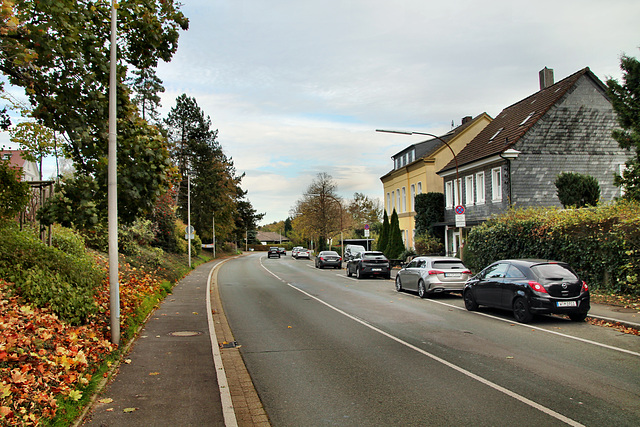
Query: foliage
point(429, 210)
point(146, 84)
point(577, 190)
point(427, 244)
point(625, 99)
point(73, 204)
point(48, 277)
point(602, 244)
point(383, 239)
point(396, 245)
point(364, 210)
point(246, 221)
point(164, 220)
point(14, 193)
point(132, 237)
point(68, 241)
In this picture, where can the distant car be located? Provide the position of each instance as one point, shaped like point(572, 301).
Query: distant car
point(350, 251)
point(295, 250)
point(369, 264)
point(303, 253)
point(273, 253)
point(428, 275)
point(328, 259)
point(282, 251)
point(529, 287)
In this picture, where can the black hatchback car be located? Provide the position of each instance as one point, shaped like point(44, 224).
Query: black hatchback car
point(529, 287)
point(369, 264)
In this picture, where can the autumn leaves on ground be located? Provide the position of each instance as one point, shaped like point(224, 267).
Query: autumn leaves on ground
point(49, 367)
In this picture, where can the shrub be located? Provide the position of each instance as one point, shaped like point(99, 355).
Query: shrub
point(577, 190)
point(428, 245)
point(68, 241)
point(602, 244)
point(14, 193)
point(430, 210)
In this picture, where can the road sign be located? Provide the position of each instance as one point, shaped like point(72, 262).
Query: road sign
point(366, 232)
point(189, 229)
point(366, 226)
point(460, 210)
point(189, 236)
point(461, 220)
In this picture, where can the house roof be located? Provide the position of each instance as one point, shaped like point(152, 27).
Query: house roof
point(269, 236)
point(429, 147)
point(516, 120)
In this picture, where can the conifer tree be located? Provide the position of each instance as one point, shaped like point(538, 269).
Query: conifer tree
point(383, 239)
point(396, 245)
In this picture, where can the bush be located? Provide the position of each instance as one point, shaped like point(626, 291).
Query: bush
point(430, 209)
point(577, 190)
point(48, 277)
point(68, 241)
point(14, 193)
point(602, 244)
point(427, 244)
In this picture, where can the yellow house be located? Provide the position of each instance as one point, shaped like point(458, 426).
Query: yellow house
point(414, 171)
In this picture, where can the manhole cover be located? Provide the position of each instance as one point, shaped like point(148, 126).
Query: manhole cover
point(185, 333)
point(626, 310)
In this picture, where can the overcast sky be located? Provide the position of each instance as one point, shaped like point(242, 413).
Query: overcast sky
point(296, 87)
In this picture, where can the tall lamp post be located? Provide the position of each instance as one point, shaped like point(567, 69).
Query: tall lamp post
point(455, 159)
point(340, 206)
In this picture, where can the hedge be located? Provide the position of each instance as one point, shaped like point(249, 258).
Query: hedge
point(601, 243)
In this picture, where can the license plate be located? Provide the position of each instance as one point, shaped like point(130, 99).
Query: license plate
point(566, 304)
point(376, 269)
point(451, 274)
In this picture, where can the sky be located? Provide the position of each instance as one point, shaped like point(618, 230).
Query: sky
point(296, 88)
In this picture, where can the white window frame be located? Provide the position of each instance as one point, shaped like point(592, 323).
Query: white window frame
point(399, 202)
point(480, 188)
point(448, 194)
point(388, 202)
point(404, 199)
point(393, 201)
point(496, 184)
point(413, 197)
point(468, 190)
point(419, 190)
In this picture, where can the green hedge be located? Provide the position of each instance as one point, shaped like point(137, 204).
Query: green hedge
point(601, 243)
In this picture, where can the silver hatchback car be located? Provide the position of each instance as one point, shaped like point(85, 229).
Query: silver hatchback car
point(428, 275)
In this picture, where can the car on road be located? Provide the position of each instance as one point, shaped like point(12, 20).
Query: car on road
point(429, 275)
point(273, 253)
point(303, 253)
point(282, 251)
point(350, 251)
point(295, 250)
point(370, 263)
point(328, 259)
point(529, 287)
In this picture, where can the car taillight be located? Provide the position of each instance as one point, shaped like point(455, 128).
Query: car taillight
point(585, 287)
point(466, 272)
point(537, 287)
point(432, 272)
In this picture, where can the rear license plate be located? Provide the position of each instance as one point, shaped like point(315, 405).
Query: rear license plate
point(451, 274)
point(376, 269)
point(566, 304)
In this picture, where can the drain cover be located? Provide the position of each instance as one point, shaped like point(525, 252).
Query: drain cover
point(185, 333)
point(232, 344)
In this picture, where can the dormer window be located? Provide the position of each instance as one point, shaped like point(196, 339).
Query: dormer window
point(528, 117)
point(496, 134)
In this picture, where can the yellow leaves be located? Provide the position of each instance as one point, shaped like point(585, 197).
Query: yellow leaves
point(26, 310)
point(5, 390)
point(128, 410)
point(75, 395)
point(106, 400)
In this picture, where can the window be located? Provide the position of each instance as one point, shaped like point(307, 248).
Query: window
point(480, 188)
point(496, 134)
point(468, 189)
point(393, 201)
point(448, 194)
point(527, 119)
point(456, 191)
point(496, 184)
point(399, 202)
point(6, 156)
point(420, 187)
point(388, 202)
point(413, 197)
point(404, 199)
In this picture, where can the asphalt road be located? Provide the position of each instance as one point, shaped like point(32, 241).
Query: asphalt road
point(324, 349)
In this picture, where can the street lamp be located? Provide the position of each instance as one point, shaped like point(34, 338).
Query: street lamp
point(340, 206)
point(455, 159)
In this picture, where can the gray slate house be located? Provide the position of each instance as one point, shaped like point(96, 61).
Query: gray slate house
point(514, 160)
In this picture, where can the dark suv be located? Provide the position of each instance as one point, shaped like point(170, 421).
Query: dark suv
point(369, 264)
point(273, 253)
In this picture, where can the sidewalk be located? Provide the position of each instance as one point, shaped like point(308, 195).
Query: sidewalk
point(168, 377)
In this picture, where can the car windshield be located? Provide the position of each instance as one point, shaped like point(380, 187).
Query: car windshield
point(329, 253)
point(553, 272)
point(449, 265)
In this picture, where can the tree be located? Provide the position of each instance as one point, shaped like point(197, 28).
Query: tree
point(577, 190)
point(147, 85)
point(247, 221)
point(383, 239)
point(625, 100)
point(429, 210)
point(14, 193)
point(320, 212)
point(396, 245)
point(364, 210)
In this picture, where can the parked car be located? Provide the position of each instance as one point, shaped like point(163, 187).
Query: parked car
point(428, 275)
point(328, 259)
point(295, 250)
point(529, 287)
point(369, 264)
point(282, 251)
point(303, 253)
point(350, 251)
point(273, 253)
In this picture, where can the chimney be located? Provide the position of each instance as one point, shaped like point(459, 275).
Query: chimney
point(466, 119)
point(546, 77)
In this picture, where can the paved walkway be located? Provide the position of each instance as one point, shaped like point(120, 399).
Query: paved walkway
point(184, 369)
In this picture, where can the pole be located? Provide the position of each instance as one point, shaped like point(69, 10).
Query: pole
point(214, 234)
point(189, 217)
point(112, 186)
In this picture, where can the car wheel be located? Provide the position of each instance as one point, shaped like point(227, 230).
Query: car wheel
point(398, 284)
point(521, 310)
point(578, 317)
point(359, 274)
point(422, 290)
point(469, 301)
